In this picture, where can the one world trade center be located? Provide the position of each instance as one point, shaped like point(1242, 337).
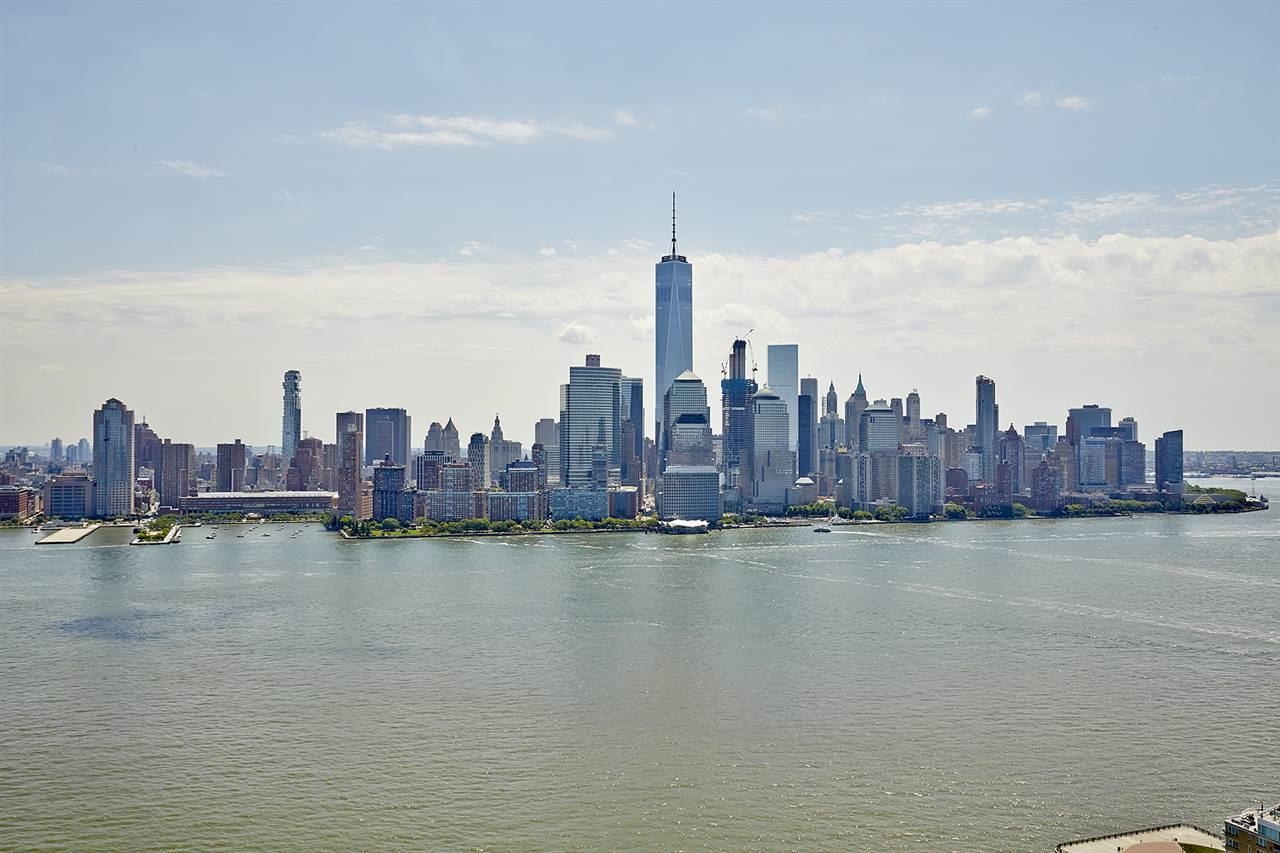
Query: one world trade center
point(673, 312)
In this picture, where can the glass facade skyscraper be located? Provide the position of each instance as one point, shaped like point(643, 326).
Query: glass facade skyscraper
point(113, 458)
point(988, 420)
point(673, 314)
point(590, 417)
point(784, 379)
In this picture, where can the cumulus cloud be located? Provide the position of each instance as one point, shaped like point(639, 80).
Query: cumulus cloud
point(191, 169)
point(979, 113)
point(404, 130)
point(625, 118)
point(548, 252)
point(576, 333)
point(472, 248)
point(763, 113)
point(1073, 102)
point(1031, 99)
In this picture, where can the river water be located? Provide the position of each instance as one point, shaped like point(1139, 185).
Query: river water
point(964, 686)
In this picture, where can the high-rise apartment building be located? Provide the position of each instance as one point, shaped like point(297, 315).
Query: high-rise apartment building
point(784, 380)
point(988, 419)
point(633, 428)
point(478, 458)
point(177, 475)
point(113, 459)
point(232, 460)
point(387, 432)
point(590, 417)
point(55, 450)
point(673, 315)
point(291, 426)
point(349, 474)
point(146, 448)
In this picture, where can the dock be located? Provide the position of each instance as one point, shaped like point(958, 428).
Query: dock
point(67, 535)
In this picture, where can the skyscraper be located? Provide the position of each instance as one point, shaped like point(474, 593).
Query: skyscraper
point(291, 430)
point(387, 432)
point(113, 458)
point(987, 420)
point(807, 424)
point(452, 447)
point(772, 462)
point(435, 438)
point(686, 420)
point(350, 441)
point(633, 424)
point(784, 380)
point(853, 409)
point(736, 391)
point(590, 417)
point(55, 450)
point(1169, 462)
point(673, 314)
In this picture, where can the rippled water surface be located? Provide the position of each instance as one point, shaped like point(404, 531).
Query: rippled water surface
point(981, 686)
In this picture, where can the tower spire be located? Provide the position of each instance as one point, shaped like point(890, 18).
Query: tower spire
point(673, 223)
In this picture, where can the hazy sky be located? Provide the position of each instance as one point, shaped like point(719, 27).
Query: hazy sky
point(442, 207)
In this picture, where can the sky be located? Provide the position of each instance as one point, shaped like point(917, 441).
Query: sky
point(442, 207)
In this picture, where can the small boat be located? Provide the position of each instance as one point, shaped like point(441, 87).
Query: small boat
point(823, 526)
point(211, 536)
point(266, 534)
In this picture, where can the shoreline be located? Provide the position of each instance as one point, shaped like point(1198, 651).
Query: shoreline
point(344, 534)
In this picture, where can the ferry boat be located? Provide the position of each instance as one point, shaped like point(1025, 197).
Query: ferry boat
point(681, 526)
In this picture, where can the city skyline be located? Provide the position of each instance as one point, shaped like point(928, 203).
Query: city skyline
point(979, 202)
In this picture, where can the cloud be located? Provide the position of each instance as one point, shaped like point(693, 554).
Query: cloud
point(576, 333)
point(763, 113)
point(810, 216)
point(1073, 102)
point(979, 113)
point(191, 169)
point(1030, 99)
point(625, 118)
point(56, 169)
point(472, 248)
point(497, 318)
point(548, 252)
point(415, 130)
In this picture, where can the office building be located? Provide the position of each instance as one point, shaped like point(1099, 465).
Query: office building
point(784, 380)
point(291, 429)
point(915, 431)
point(435, 438)
point(232, 461)
point(84, 451)
point(1169, 462)
point(736, 391)
point(70, 496)
point(452, 445)
point(18, 502)
point(633, 430)
point(56, 453)
point(113, 459)
point(502, 452)
point(590, 418)
point(387, 432)
point(673, 315)
point(307, 466)
point(773, 463)
point(807, 424)
point(1012, 452)
point(988, 419)
point(1129, 429)
point(690, 492)
point(686, 398)
point(853, 409)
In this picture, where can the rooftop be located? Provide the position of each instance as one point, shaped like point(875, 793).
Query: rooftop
point(1155, 840)
point(1251, 819)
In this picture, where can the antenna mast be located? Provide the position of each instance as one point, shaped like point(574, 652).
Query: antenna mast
point(673, 223)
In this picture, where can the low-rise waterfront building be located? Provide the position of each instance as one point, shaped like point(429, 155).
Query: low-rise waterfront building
point(70, 496)
point(19, 502)
point(262, 503)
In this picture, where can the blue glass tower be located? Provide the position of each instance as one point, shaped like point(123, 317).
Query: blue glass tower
point(673, 308)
